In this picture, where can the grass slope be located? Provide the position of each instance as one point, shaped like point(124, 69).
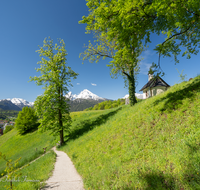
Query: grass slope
point(32, 175)
point(152, 145)
point(14, 146)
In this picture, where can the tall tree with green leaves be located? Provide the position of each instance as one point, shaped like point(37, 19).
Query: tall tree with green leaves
point(131, 21)
point(122, 32)
point(123, 62)
point(51, 107)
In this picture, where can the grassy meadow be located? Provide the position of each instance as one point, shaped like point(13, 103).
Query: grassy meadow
point(15, 146)
point(32, 175)
point(152, 145)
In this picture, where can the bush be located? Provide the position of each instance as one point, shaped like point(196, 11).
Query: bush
point(26, 120)
point(8, 128)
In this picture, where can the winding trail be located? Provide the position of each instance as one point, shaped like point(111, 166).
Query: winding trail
point(65, 176)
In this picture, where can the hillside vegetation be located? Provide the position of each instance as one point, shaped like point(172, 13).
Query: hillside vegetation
point(81, 104)
point(153, 145)
point(14, 146)
point(109, 104)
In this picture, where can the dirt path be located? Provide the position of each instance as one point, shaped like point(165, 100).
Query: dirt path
point(65, 176)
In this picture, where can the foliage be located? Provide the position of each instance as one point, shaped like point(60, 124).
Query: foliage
point(182, 77)
point(179, 22)
point(152, 145)
point(8, 128)
point(81, 104)
point(26, 121)
point(117, 38)
point(5, 114)
point(11, 169)
point(130, 23)
point(107, 105)
point(51, 107)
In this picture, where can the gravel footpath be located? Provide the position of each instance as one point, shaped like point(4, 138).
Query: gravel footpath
point(65, 176)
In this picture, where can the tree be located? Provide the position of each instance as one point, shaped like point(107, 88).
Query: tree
point(51, 107)
point(131, 22)
point(122, 29)
point(125, 59)
point(8, 128)
point(179, 21)
point(26, 121)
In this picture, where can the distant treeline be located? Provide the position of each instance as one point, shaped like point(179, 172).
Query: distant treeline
point(107, 105)
point(5, 114)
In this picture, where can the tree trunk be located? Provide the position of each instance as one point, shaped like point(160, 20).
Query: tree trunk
point(61, 138)
point(60, 120)
point(131, 81)
point(61, 128)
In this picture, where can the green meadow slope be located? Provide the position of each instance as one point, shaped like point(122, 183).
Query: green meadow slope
point(14, 146)
point(152, 145)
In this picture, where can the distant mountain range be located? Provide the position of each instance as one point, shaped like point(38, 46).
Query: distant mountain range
point(78, 102)
point(14, 104)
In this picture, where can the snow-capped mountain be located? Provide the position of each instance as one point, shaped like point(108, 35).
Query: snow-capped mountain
point(140, 96)
point(19, 102)
point(85, 94)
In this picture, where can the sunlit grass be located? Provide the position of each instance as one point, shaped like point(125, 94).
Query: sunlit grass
point(29, 146)
point(33, 176)
point(152, 145)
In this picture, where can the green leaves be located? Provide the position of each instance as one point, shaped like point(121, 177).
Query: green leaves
point(51, 107)
point(26, 120)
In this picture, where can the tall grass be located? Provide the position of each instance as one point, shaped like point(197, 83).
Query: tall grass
point(29, 146)
point(152, 145)
point(33, 176)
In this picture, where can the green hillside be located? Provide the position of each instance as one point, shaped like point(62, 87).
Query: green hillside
point(152, 145)
point(14, 146)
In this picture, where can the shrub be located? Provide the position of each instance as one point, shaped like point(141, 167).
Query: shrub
point(8, 128)
point(26, 120)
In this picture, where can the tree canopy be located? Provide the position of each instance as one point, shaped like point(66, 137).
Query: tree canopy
point(130, 23)
point(51, 107)
point(116, 38)
point(26, 121)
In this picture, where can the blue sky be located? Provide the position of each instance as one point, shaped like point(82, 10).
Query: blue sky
point(24, 25)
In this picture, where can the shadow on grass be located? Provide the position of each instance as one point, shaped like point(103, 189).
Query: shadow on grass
point(157, 180)
point(174, 99)
point(190, 175)
point(88, 125)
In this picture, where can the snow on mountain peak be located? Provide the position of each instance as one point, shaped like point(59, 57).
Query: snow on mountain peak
point(85, 94)
point(20, 102)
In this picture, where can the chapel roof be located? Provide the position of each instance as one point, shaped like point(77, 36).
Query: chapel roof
point(157, 81)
